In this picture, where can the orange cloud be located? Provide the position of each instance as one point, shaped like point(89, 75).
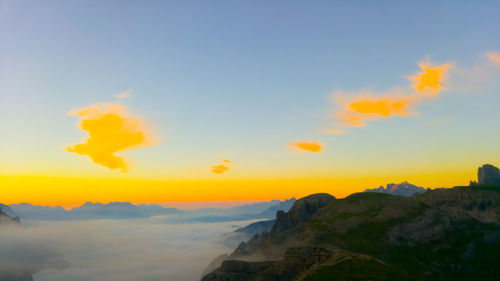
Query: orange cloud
point(313, 146)
point(430, 81)
point(110, 130)
point(357, 108)
point(494, 58)
point(336, 131)
point(219, 169)
point(360, 107)
point(227, 161)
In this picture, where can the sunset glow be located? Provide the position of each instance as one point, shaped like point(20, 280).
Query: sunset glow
point(186, 101)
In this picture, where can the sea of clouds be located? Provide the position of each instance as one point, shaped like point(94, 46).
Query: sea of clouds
point(146, 249)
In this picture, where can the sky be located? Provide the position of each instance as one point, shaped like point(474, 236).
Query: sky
point(164, 101)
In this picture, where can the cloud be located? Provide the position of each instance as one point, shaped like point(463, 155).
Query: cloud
point(335, 131)
point(359, 107)
point(431, 80)
point(219, 169)
point(110, 130)
point(227, 161)
point(124, 95)
point(113, 250)
point(312, 146)
point(494, 58)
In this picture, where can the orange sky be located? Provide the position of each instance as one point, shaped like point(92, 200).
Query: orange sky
point(63, 191)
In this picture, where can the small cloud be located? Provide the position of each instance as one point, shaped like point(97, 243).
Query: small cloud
point(219, 169)
point(110, 130)
point(227, 161)
point(494, 58)
point(335, 131)
point(124, 95)
point(431, 80)
point(313, 146)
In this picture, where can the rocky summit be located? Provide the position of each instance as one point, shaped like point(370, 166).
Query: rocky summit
point(488, 175)
point(403, 189)
point(442, 234)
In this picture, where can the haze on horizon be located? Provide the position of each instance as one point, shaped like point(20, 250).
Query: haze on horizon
point(233, 101)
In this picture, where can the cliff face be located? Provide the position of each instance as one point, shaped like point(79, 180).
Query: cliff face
point(446, 234)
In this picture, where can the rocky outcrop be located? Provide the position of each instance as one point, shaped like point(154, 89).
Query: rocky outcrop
point(403, 189)
point(488, 175)
point(302, 211)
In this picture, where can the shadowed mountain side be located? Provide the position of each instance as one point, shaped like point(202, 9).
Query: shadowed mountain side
point(299, 212)
point(7, 210)
point(233, 239)
point(445, 234)
point(8, 217)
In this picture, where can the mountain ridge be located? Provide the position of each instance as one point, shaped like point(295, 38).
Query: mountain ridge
point(448, 234)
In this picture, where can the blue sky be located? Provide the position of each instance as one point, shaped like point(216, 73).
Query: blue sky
point(240, 80)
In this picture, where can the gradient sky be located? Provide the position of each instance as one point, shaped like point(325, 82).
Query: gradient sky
point(241, 80)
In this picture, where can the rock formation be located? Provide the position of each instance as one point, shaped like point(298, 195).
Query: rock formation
point(488, 175)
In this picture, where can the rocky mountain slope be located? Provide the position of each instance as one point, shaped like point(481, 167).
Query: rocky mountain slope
point(444, 234)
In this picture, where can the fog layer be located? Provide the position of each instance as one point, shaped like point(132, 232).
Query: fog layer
point(145, 249)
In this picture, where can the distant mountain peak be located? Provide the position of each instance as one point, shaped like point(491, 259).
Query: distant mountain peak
point(404, 189)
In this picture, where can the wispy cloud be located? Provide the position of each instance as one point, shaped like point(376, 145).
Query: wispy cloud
point(219, 169)
point(124, 95)
point(312, 146)
point(110, 130)
point(335, 131)
point(494, 58)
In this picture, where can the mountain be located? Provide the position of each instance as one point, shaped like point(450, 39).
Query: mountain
point(8, 217)
point(28, 211)
point(443, 234)
point(89, 210)
point(403, 189)
point(280, 206)
point(118, 210)
point(6, 209)
point(261, 210)
point(126, 210)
